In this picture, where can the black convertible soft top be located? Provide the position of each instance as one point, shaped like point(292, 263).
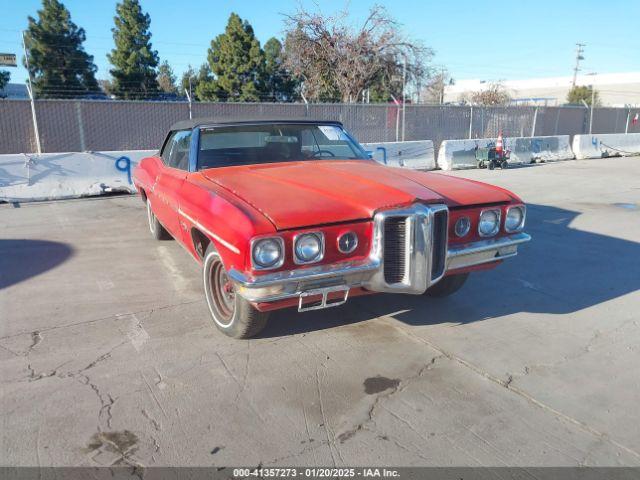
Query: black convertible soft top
point(206, 122)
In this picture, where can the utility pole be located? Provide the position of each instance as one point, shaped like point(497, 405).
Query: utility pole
point(576, 69)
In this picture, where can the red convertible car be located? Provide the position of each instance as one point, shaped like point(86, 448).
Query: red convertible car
point(285, 213)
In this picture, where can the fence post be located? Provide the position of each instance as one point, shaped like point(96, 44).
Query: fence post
point(535, 120)
point(471, 122)
point(306, 104)
point(83, 146)
point(32, 98)
point(404, 95)
point(626, 126)
point(593, 99)
point(189, 99)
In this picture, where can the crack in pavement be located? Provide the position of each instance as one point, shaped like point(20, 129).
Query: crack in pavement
point(114, 316)
point(508, 385)
point(106, 400)
point(400, 387)
point(586, 349)
point(36, 338)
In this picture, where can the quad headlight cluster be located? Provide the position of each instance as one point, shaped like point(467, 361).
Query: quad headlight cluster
point(489, 222)
point(268, 253)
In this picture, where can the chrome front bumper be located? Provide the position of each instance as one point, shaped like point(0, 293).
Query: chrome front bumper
point(346, 275)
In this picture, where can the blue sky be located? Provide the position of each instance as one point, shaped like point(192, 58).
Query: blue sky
point(531, 39)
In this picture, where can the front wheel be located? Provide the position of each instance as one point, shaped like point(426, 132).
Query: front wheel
point(233, 315)
point(447, 286)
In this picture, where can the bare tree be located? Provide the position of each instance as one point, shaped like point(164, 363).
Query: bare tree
point(436, 84)
point(492, 96)
point(336, 60)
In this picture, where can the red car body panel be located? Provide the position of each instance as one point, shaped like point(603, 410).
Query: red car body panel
point(307, 193)
point(232, 205)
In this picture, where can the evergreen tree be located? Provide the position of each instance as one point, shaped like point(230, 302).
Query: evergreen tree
point(279, 85)
point(133, 58)
point(166, 78)
point(579, 93)
point(200, 83)
point(4, 78)
point(237, 62)
point(58, 64)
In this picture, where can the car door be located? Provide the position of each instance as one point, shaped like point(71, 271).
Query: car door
point(175, 157)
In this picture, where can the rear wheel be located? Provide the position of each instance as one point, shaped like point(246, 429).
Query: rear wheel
point(447, 286)
point(157, 230)
point(231, 313)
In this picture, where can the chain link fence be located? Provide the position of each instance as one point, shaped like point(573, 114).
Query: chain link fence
point(85, 125)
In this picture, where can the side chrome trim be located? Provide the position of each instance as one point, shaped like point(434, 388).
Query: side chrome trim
point(228, 245)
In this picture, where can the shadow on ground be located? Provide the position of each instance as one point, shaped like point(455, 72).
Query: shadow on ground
point(22, 259)
point(562, 270)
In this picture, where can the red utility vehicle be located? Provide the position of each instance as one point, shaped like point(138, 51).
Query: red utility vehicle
point(287, 213)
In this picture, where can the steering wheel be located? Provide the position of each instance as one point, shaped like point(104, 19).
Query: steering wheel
point(320, 152)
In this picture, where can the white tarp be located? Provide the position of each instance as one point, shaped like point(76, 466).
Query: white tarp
point(606, 145)
point(456, 154)
point(417, 155)
point(71, 175)
point(52, 176)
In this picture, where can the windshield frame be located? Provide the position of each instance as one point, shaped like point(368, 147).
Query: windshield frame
point(197, 137)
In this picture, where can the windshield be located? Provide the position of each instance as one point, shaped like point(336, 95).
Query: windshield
point(271, 143)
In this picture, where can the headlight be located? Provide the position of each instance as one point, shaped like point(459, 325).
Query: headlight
point(489, 223)
point(267, 253)
point(308, 247)
point(514, 221)
point(463, 224)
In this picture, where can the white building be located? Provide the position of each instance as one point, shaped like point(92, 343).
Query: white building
point(614, 89)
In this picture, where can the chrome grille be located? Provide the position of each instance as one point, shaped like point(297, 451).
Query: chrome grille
point(395, 249)
point(439, 251)
point(411, 245)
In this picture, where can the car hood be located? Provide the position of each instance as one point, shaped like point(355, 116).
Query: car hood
point(309, 193)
